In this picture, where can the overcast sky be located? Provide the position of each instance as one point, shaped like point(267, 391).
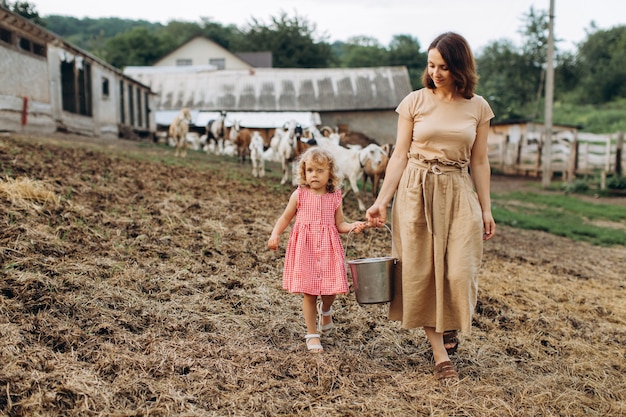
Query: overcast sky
point(480, 21)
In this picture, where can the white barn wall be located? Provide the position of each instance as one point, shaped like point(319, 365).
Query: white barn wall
point(34, 76)
point(103, 121)
point(105, 108)
point(24, 75)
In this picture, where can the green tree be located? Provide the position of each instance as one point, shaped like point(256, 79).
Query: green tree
point(566, 75)
point(24, 9)
point(602, 66)
point(405, 50)
point(503, 80)
point(513, 78)
point(291, 41)
point(175, 33)
point(363, 51)
point(137, 47)
point(229, 37)
point(92, 34)
point(534, 32)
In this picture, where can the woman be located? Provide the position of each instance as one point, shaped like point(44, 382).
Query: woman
point(440, 214)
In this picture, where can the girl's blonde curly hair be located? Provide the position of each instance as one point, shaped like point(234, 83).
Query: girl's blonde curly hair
point(319, 156)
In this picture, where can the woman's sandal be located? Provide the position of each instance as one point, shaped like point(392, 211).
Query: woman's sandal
point(324, 328)
point(445, 372)
point(313, 348)
point(451, 341)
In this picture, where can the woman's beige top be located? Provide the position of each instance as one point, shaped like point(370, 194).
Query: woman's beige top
point(443, 131)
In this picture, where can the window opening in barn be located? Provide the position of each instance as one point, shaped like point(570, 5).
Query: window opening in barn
point(76, 86)
point(39, 49)
point(139, 112)
point(220, 63)
point(25, 44)
point(122, 104)
point(105, 87)
point(146, 108)
point(6, 36)
point(183, 62)
point(84, 89)
point(131, 108)
point(68, 86)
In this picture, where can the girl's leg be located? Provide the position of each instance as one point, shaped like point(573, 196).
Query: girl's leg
point(310, 318)
point(310, 312)
point(327, 304)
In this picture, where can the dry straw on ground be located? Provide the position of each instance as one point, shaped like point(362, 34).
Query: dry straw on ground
point(25, 193)
point(149, 291)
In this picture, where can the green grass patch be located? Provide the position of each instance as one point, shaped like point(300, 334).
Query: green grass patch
point(562, 215)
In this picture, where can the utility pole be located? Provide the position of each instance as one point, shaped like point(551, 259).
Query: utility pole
point(547, 142)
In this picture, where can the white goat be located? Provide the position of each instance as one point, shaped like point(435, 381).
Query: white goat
point(256, 155)
point(351, 162)
point(193, 141)
point(283, 144)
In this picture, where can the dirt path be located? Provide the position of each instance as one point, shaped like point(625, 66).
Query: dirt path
point(147, 289)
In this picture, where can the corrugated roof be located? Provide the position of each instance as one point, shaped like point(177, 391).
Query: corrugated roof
point(279, 89)
point(263, 120)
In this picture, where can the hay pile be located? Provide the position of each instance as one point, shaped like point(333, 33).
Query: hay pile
point(25, 193)
point(141, 288)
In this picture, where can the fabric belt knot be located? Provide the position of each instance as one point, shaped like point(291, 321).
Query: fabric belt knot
point(435, 169)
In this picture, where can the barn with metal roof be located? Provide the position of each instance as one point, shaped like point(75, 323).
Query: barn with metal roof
point(359, 99)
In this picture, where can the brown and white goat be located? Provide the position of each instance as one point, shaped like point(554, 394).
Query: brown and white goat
point(377, 174)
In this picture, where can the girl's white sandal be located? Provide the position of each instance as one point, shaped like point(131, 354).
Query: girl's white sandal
point(324, 328)
point(313, 348)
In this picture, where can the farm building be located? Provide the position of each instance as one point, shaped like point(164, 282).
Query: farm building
point(49, 85)
point(205, 77)
point(358, 99)
point(199, 51)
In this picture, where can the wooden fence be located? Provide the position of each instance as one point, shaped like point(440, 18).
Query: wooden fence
point(572, 154)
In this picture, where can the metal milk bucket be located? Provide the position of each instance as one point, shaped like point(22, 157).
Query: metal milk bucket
point(372, 278)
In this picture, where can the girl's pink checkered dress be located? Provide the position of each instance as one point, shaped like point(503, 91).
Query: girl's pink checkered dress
point(314, 261)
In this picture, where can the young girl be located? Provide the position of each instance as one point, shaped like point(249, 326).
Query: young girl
point(314, 260)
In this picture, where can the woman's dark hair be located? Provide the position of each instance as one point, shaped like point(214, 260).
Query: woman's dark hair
point(459, 59)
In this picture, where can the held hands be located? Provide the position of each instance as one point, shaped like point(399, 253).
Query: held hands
point(358, 227)
point(376, 215)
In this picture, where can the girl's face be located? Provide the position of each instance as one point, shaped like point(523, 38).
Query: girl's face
point(317, 175)
point(438, 70)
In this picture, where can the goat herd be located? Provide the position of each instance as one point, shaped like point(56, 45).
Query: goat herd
point(367, 160)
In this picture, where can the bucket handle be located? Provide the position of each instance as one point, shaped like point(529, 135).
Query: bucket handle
point(348, 240)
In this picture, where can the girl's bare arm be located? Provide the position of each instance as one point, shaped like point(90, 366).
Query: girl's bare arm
point(283, 221)
point(345, 227)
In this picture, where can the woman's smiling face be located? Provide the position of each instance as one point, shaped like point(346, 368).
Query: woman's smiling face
point(438, 70)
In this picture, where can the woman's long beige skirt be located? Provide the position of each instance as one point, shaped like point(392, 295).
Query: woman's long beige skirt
point(437, 236)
